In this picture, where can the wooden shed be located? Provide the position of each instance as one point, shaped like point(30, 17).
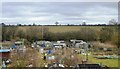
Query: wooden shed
point(5, 53)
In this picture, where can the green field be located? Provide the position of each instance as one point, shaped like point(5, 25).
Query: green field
point(56, 29)
point(107, 62)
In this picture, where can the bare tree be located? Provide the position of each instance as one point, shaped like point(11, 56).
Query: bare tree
point(56, 23)
point(112, 22)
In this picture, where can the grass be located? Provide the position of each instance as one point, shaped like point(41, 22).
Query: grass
point(41, 60)
point(107, 62)
point(60, 29)
point(7, 43)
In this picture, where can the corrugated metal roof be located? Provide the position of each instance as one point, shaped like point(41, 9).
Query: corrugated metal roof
point(4, 50)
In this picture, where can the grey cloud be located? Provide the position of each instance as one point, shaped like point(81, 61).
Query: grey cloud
point(62, 11)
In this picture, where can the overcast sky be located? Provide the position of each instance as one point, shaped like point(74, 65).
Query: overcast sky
point(63, 12)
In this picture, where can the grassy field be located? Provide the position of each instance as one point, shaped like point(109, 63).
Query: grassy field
point(107, 62)
point(56, 29)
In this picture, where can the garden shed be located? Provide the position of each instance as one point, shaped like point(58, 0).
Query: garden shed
point(5, 53)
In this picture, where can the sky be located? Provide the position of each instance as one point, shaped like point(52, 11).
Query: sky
point(47, 13)
point(59, 0)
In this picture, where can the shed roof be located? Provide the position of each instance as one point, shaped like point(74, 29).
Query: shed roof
point(4, 50)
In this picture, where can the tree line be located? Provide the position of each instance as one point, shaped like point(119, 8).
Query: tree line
point(31, 34)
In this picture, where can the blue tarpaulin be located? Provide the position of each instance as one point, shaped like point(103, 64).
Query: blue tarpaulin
point(43, 45)
point(14, 46)
point(49, 51)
